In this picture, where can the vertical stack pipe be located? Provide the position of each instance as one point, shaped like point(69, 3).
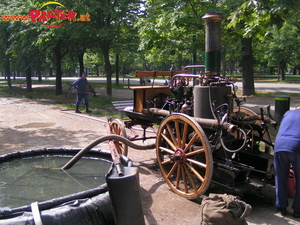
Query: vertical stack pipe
point(204, 96)
point(213, 43)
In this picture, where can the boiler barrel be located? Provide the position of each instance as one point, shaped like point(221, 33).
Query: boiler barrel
point(213, 43)
point(204, 96)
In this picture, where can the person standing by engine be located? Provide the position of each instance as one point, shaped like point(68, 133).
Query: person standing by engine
point(80, 86)
point(287, 153)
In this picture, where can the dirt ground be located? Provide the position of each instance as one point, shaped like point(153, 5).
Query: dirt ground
point(27, 125)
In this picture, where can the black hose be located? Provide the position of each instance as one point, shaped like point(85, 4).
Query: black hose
point(86, 149)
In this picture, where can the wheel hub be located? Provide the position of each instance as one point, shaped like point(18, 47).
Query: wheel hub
point(179, 156)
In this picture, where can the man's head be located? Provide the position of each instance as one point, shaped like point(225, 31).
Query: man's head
point(84, 75)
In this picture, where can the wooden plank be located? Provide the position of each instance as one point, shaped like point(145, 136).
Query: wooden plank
point(167, 73)
point(140, 73)
point(148, 87)
point(154, 73)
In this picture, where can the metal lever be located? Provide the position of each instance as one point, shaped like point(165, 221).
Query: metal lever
point(262, 113)
point(269, 112)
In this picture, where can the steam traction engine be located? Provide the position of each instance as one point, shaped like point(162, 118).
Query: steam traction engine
point(202, 137)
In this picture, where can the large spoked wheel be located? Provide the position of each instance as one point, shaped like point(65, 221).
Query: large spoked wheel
point(262, 139)
point(117, 127)
point(184, 155)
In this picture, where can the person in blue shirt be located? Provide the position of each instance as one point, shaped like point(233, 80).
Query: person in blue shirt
point(287, 154)
point(80, 86)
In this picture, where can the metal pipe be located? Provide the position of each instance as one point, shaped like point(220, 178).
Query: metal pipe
point(202, 121)
point(182, 75)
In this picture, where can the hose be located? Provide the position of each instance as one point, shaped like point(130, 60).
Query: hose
point(86, 149)
point(235, 150)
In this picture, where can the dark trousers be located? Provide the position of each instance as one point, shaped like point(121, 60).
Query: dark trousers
point(282, 163)
point(79, 97)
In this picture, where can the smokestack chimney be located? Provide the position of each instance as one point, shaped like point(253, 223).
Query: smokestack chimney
point(213, 43)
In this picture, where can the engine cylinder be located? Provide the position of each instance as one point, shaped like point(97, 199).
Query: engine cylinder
point(204, 96)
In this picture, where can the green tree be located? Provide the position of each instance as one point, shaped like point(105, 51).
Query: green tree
point(283, 48)
point(126, 44)
point(173, 31)
point(254, 20)
point(71, 38)
point(5, 57)
point(107, 20)
point(24, 49)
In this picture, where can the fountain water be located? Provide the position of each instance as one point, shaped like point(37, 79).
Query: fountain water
point(31, 194)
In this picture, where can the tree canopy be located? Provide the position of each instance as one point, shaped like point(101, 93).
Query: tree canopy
point(121, 36)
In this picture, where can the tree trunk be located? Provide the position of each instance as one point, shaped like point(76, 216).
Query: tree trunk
point(105, 52)
point(50, 72)
point(231, 67)
point(58, 59)
point(281, 70)
point(117, 68)
point(294, 70)
point(7, 72)
point(247, 67)
point(28, 79)
point(81, 65)
point(97, 69)
point(39, 73)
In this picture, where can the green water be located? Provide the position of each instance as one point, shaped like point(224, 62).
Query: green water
point(21, 183)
